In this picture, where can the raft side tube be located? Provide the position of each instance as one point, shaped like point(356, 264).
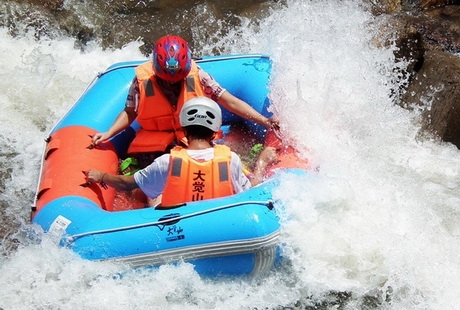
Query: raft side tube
point(215, 220)
point(252, 256)
point(67, 155)
point(105, 98)
point(101, 103)
point(255, 262)
point(235, 75)
point(146, 231)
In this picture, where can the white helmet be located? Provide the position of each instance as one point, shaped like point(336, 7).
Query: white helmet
point(201, 111)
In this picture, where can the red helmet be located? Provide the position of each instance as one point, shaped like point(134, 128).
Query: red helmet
point(172, 59)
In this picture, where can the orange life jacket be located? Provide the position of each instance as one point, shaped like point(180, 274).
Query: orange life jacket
point(159, 120)
point(192, 180)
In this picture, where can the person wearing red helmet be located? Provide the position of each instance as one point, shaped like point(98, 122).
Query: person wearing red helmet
point(158, 92)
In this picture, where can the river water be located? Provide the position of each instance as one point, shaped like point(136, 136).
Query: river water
point(377, 227)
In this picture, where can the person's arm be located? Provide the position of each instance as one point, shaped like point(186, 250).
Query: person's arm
point(266, 157)
point(232, 103)
point(119, 182)
point(241, 108)
point(123, 120)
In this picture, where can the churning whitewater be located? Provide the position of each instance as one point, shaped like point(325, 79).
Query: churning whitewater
point(375, 226)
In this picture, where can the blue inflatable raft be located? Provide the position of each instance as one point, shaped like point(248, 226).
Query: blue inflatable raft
point(236, 235)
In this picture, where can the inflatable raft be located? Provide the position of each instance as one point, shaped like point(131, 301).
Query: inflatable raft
point(235, 235)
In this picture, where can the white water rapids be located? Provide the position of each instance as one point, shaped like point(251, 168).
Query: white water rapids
point(377, 226)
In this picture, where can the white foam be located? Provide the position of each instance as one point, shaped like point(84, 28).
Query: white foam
point(380, 217)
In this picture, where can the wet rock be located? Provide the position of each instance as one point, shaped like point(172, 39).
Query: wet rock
point(426, 4)
point(440, 28)
point(427, 39)
point(436, 88)
point(384, 6)
point(53, 5)
point(410, 48)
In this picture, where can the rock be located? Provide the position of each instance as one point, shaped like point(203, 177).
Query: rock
point(53, 5)
point(428, 38)
point(440, 28)
point(436, 87)
point(384, 6)
point(426, 4)
point(410, 48)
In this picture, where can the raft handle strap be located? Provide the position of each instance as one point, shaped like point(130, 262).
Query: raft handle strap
point(51, 146)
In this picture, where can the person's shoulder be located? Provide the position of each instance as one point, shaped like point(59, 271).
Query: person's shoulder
point(235, 157)
point(201, 70)
point(160, 160)
point(163, 157)
point(161, 163)
point(145, 64)
point(208, 150)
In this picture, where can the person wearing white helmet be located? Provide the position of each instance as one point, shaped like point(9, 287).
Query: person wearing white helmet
point(200, 171)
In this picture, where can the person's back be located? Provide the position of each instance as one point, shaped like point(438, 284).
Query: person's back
point(178, 176)
point(202, 170)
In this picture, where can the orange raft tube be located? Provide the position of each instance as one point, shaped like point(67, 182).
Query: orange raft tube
point(66, 161)
point(68, 153)
point(240, 140)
